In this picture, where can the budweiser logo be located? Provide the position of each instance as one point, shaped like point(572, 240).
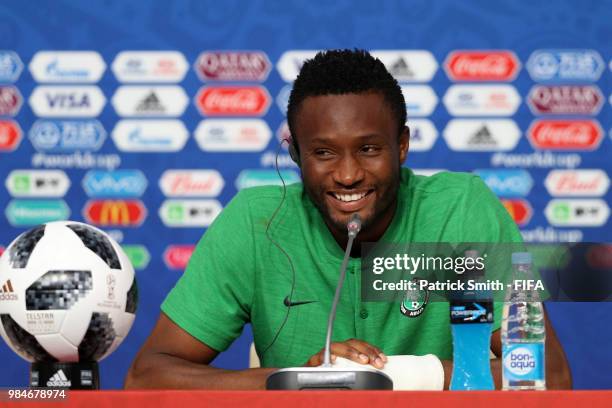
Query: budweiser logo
point(583, 182)
point(189, 183)
point(482, 66)
point(253, 101)
point(566, 135)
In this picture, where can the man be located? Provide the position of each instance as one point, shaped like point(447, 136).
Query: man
point(272, 257)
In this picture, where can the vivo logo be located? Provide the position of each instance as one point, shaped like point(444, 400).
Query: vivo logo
point(507, 183)
point(118, 183)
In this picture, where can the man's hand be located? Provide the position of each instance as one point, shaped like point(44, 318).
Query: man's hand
point(352, 349)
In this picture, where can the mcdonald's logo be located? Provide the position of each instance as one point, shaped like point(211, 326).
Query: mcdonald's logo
point(115, 213)
point(520, 210)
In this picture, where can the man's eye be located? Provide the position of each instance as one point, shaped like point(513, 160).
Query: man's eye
point(370, 149)
point(322, 152)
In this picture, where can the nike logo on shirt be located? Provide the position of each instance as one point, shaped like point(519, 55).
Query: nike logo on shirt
point(289, 303)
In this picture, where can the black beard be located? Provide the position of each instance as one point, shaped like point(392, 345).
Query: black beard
point(381, 206)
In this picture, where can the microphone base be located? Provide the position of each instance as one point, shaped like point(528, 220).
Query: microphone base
point(328, 378)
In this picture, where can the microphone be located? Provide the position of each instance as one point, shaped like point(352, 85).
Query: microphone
point(327, 376)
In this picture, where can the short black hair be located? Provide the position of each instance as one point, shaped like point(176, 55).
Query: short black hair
point(337, 72)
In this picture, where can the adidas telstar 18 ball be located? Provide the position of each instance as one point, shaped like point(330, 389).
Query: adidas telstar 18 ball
point(67, 293)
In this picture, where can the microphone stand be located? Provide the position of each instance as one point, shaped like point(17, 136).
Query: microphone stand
point(326, 376)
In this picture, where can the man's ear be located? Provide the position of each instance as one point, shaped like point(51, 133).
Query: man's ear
point(404, 142)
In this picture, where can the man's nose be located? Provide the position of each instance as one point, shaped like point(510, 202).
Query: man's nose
point(348, 171)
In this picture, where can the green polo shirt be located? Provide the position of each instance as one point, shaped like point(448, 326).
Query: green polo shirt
point(238, 275)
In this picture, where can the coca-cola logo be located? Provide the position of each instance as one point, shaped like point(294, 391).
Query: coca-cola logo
point(482, 65)
point(565, 99)
point(577, 183)
point(177, 256)
point(10, 135)
point(233, 101)
point(565, 134)
point(233, 66)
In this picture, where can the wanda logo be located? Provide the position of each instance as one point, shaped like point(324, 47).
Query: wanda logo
point(482, 66)
point(565, 134)
point(233, 101)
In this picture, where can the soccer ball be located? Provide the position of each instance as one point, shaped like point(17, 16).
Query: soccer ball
point(68, 293)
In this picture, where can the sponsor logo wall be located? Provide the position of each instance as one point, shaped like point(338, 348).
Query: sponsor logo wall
point(236, 116)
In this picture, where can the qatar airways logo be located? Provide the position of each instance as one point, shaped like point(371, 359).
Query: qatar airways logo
point(493, 65)
point(565, 99)
point(233, 66)
point(577, 183)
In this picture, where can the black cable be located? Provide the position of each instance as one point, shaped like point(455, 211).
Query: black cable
point(263, 353)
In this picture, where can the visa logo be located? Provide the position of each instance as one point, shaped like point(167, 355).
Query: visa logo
point(507, 183)
point(69, 101)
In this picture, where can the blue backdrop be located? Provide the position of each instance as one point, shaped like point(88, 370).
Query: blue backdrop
point(568, 42)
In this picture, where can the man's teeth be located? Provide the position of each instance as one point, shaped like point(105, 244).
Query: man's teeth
point(349, 197)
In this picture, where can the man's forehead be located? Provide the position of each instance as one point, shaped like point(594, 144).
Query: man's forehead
point(356, 106)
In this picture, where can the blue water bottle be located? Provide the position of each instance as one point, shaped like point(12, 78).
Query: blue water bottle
point(471, 316)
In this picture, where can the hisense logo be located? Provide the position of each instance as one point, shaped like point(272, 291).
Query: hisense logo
point(59, 380)
point(7, 292)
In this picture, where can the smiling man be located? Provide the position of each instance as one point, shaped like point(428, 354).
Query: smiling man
point(272, 256)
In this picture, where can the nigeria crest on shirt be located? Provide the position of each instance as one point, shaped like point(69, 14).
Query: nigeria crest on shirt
point(414, 302)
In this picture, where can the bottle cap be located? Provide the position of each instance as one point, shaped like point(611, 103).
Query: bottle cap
point(521, 258)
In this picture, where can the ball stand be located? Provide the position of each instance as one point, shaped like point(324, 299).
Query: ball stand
point(74, 376)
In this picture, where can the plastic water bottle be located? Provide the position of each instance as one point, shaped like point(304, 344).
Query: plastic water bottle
point(523, 333)
point(471, 316)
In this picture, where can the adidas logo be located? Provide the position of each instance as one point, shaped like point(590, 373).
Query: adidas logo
point(401, 68)
point(151, 104)
point(482, 137)
point(59, 380)
point(7, 292)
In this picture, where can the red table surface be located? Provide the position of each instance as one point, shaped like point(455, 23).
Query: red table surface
point(352, 399)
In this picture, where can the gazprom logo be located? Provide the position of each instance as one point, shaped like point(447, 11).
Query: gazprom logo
point(507, 183)
point(118, 183)
point(67, 135)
